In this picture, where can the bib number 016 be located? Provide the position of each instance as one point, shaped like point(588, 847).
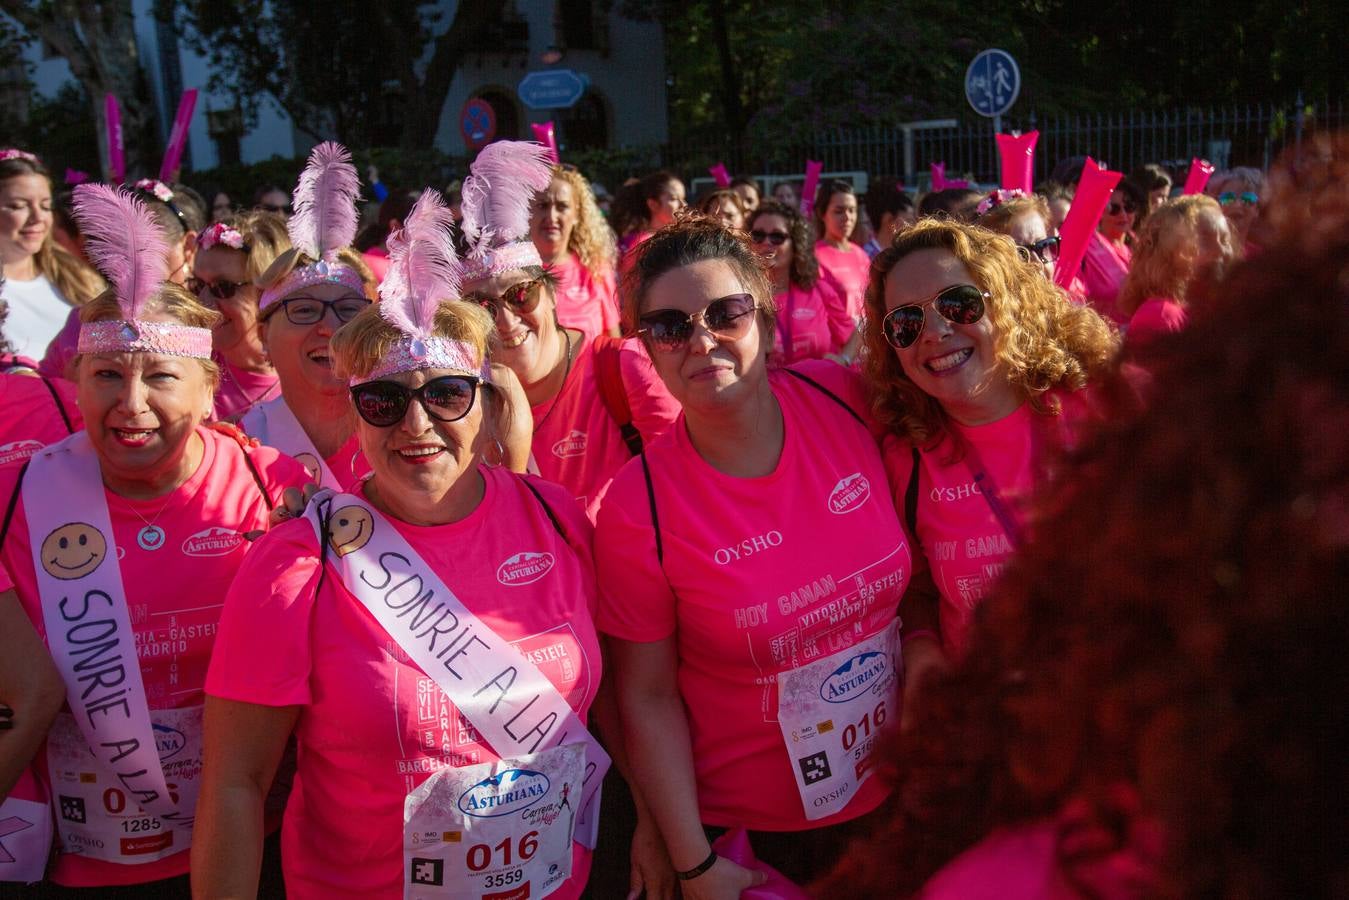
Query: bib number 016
point(870, 721)
point(481, 856)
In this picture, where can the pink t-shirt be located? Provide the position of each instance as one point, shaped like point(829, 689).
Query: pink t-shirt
point(850, 269)
point(241, 390)
point(964, 539)
point(1155, 317)
point(576, 440)
point(31, 419)
point(372, 725)
point(63, 348)
point(760, 575)
point(1104, 268)
point(586, 301)
point(810, 323)
point(175, 593)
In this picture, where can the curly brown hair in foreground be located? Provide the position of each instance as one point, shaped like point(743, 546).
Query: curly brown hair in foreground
point(1178, 622)
point(1043, 339)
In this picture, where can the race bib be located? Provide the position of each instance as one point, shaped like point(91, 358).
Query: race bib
point(831, 712)
point(96, 816)
point(495, 831)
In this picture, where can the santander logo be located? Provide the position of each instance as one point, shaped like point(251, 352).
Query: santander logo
point(574, 444)
point(18, 451)
point(524, 568)
point(849, 494)
point(214, 541)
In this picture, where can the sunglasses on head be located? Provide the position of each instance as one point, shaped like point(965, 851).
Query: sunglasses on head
point(1227, 198)
point(384, 403)
point(1116, 208)
point(220, 290)
point(1045, 249)
point(961, 304)
point(727, 318)
point(311, 310)
point(776, 238)
point(522, 298)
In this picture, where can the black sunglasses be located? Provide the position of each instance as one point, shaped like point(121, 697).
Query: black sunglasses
point(961, 304)
point(776, 238)
point(311, 310)
point(1116, 208)
point(726, 317)
point(220, 290)
point(447, 398)
point(522, 298)
point(1045, 249)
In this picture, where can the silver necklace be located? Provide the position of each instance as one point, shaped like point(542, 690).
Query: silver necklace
point(152, 537)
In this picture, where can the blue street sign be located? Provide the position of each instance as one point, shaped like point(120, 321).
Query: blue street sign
point(551, 89)
point(478, 123)
point(992, 82)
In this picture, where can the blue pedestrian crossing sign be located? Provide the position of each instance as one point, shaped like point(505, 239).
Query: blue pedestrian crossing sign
point(992, 82)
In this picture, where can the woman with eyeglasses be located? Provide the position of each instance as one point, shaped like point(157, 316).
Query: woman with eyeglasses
point(751, 563)
point(812, 315)
point(576, 245)
point(427, 639)
point(1238, 191)
point(1106, 263)
point(231, 256)
point(978, 369)
point(1025, 219)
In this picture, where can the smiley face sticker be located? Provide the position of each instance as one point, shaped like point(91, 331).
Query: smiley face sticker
point(350, 529)
point(310, 463)
point(73, 551)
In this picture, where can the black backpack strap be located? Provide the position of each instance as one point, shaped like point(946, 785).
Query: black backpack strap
point(655, 517)
point(828, 393)
point(257, 479)
point(325, 533)
point(552, 517)
point(60, 407)
point(13, 503)
point(911, 499)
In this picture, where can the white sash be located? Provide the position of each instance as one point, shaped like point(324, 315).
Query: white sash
point(275, 425)
point(84, 610)
point(509, 702)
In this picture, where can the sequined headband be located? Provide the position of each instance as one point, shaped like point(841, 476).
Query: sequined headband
point(495, 260)
point(220, 234)
point(321, 272)
point(139, 336)
point(410, 354)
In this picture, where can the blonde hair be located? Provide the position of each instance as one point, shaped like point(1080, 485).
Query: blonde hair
point(175, 301)
point(1041, 338)
point(1001, 217)
point(73, 278)
point(592, 240)
point(265, 238)
point(1164, 253)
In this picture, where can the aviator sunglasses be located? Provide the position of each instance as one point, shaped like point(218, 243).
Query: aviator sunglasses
point(1045, 249)
point(962, 304)
point(522, 298)
point(220, 290)
point(726, 317)
point(447, 399)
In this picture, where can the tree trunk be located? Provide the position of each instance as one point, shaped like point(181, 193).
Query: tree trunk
point(731, 104)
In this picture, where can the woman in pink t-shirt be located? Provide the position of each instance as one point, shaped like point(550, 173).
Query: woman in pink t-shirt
point(577, 246)
point(1186, 245)
point(750, 566)
point(38, 411)
point(170, 502)
point(812, 315)
point(978, 370)
point(1025, 219)
point(842, 261)
point(653, 203)
point(1110, 253)
point(480, 570)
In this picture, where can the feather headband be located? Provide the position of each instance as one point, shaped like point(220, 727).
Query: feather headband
point(128, 246)
point(424, 271)
point(323, 223)
point(497, 196)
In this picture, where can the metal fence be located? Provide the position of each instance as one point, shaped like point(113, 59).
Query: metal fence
point(1250, 135)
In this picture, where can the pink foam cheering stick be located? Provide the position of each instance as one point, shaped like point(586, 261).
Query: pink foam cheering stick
point(173, 154)
point(813, 170)
point(938, 170)
point(1089, 201)
point(1018, 160)
point(1200, 172)
point(545, 134)
point(719, 173)
point(735, 846)
point(116, 149)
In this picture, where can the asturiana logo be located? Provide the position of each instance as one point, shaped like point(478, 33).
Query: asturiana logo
point(506, 793)
point(856, 675)
point(524, 568)
point(168, 741)
point(215, 541)
point(574, 444)
point(849, 494)
point(18, 451)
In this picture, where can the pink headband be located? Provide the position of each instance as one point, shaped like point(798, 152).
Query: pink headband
point(12, 153)
point(492, 261)
point(409, 354)
point(138, 336)
point(220, 234)
point(321, 272)
point(998, 198)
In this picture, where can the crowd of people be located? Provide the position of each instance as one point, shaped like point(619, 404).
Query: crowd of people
point(500, 544)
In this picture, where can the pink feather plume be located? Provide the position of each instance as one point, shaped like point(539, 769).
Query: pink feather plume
point(325, 203)
point(499, 190)
point(125, 243)
point(424, 269)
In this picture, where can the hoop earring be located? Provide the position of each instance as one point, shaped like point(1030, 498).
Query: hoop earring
point(352, 466)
